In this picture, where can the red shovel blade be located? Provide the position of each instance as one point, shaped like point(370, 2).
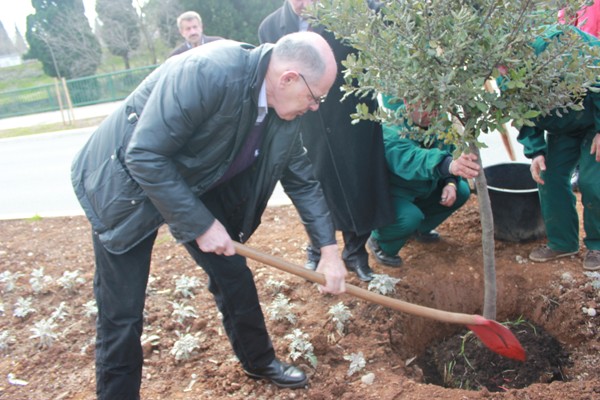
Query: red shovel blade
point(498, 338)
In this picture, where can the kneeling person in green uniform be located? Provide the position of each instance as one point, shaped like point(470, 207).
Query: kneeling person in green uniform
point(426, 186)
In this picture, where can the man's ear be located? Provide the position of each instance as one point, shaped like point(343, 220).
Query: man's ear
point(288, 77)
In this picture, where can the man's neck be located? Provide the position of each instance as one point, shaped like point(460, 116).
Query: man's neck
point(200, 42)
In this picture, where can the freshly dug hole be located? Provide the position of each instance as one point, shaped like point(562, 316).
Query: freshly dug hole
point(464, 362)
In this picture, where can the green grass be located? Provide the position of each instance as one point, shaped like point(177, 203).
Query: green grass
point(140, 58)
point(26, 75)
point(30, 74)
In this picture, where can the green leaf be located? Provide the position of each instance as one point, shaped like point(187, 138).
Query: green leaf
point(531, 114)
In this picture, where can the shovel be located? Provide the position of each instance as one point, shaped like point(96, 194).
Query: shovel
point(495, 336)
point(503, 129)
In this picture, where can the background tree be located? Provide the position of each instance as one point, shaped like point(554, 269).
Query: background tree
point(163, 14)
point(438, 54)
point(6, 44)
point(120, 29)
point(60, 36)
point(146, 30)
point(20, 42)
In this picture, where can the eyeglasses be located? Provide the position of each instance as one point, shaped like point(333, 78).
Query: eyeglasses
point(316, 99)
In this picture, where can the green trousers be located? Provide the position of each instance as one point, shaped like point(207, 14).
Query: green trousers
point(417, 214)
point(556, 196)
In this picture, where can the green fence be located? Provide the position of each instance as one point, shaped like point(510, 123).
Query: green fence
point(83, 91)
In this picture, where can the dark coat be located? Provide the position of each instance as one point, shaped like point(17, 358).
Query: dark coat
point(186, 46)
point(130, 177)
point(359, 198)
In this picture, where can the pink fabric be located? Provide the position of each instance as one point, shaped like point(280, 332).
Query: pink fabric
point(588, 19)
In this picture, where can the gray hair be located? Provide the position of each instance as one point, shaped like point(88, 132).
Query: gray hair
point(297, 50)
point(188, 16)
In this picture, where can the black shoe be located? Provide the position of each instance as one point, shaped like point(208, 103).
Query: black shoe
point(281, 374)
point(311, 264)
point(382, 258)
point(428, 237)
point(362, 270)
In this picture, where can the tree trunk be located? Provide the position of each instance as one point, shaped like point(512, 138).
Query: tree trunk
point(487, 240)
point(147, 37)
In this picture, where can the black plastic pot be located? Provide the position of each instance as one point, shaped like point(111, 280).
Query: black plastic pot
point(515, 203)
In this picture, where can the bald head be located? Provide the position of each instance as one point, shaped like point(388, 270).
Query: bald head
point(302, 70)
point(307, 52)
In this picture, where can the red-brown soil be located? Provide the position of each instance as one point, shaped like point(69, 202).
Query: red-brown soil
point(445, 275)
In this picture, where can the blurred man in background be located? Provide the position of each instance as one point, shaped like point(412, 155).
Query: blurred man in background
point(191, 28)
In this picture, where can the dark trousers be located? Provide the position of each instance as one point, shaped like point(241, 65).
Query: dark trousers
point(354, 252)
point(232, 285)
point(120, 285)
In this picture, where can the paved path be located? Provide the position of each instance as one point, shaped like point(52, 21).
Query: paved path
point(55, 117)
point(35, 174)
point(34, 170)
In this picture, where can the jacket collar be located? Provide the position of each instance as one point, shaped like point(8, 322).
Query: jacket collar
point(260, 56)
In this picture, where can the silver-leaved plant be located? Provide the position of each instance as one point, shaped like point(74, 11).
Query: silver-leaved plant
point(43, 330)
point(90, 309)
point(182, 311)
point(185, 346)
point(276, 286)
point(383, 284)
point(281, 309)
point(300, 347)
point(38, 281)
point(357, 362)
point(340, 314)
point(23, 307)
point(10, 280)
point(185, 286)
point(71, 281)
point(5, 340)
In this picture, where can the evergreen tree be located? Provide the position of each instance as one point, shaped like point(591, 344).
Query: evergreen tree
point(7, 47)
point(145, 28)
point(163, 15)
point(20, 42)
point(60, 36)
point(120, 30)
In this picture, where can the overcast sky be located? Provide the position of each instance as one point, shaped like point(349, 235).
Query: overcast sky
point(15, 12)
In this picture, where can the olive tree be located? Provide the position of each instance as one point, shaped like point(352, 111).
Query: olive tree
point(438, 55)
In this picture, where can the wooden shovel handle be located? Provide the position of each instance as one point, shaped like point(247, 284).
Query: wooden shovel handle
point(504, 129)
point(399, 305)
